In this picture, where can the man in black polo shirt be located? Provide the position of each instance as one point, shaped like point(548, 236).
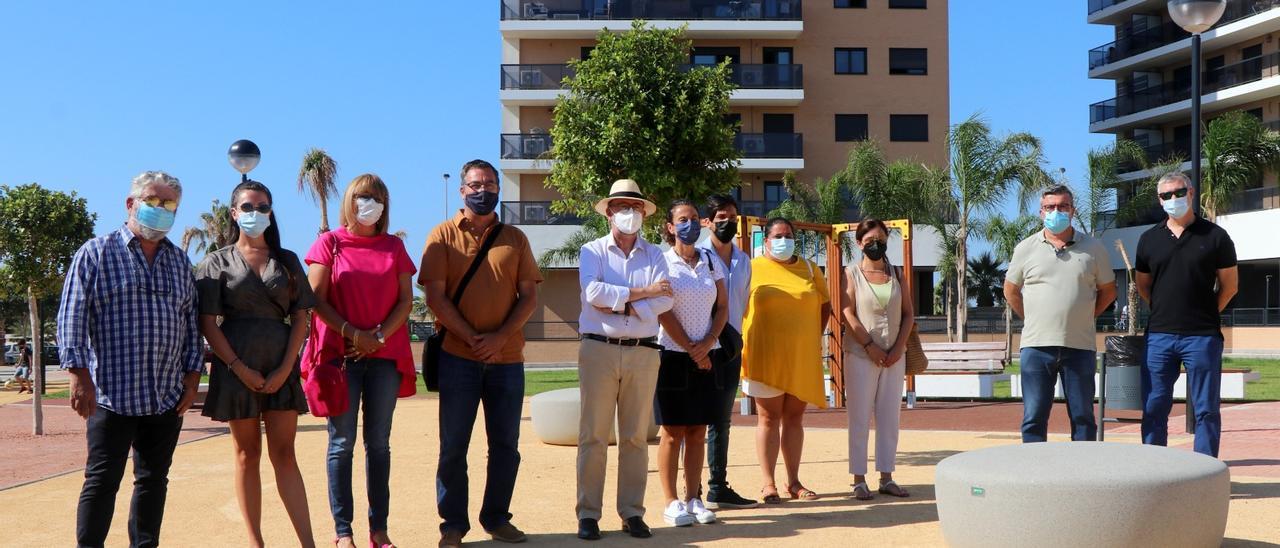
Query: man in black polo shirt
point(1179, 263)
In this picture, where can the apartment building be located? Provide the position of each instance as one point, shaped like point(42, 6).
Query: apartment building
point(813, 79)
point(1149, 60)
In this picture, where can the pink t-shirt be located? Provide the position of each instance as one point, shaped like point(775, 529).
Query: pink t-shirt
point(364, 286)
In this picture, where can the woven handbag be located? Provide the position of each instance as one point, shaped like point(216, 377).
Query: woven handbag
point(917, 362)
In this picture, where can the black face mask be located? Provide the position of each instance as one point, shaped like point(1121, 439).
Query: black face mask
point(725, 231)
point(482, 203)
point(874, 250)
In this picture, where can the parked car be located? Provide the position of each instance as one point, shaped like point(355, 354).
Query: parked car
point(50, 354)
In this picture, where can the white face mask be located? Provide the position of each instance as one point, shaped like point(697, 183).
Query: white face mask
point(628, 221)
point(368, 211)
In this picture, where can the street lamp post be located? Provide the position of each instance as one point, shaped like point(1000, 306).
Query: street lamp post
point(244, 155)
point(446, 195)
point(1195, 17)
point(1266, 302)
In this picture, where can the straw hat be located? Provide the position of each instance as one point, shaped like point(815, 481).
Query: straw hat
point(625, 188)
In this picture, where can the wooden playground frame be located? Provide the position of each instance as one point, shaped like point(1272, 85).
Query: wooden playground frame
point(835, 264)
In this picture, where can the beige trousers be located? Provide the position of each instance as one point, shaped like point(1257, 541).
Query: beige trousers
point(614, 379)
point(872, 390)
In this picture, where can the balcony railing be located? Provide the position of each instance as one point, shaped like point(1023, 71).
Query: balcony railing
point(770, 145)
point(525, 146)
point(1128, 44)
point(748, 76)
point(1158, 153)
point(744, 76)
point(1256, 199)
point(1099, 5)
point(535, 213)
point(748, 10)
point(1249, 70)
point(535, 76)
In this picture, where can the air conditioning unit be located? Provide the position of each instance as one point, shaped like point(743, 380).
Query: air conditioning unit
point(534, 213)
point(535, 10)
point(534, 147)
point(530, 78)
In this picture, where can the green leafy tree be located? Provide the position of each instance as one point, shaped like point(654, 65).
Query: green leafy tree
point(1238, 149)
point(1004, 234)
point(1105, 165)
point(824, 202)
point(984, 168)
point(902, 189)
point(316, 178)
point(986, 278)
point(40, 230)
point(214, 232)
point(633, 110)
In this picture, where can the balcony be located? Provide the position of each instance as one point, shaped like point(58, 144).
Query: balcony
point(535, 213)
point(1160, 152)
point(705, 18)
point(1129, 43)
point(757, 84)
point(761, 152)
point(1224, 87)
point(1255, 199)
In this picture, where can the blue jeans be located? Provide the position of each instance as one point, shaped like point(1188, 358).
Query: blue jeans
point(378, 381)
point(1202, 355)
point(1042, 366)
point(464, 386)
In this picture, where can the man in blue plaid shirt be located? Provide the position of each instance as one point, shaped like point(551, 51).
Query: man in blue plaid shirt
point(128, 334)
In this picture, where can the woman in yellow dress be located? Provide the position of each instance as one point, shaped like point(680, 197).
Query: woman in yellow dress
point(782, 353)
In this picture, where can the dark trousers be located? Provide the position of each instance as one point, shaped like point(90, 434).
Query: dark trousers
point(1202, 355)
point(110, 436)
point(465, 385)
point(1042, 367)
point(718, 432)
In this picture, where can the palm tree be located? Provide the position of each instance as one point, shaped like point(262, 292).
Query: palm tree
point(1004, 235)
point(985, 280)
point(903, 189)
point(983, 168)
point(316, 178)
point(1105, 165)
point(214, 232)
point(825, 202)
point(567, 252)
point(1238, 149)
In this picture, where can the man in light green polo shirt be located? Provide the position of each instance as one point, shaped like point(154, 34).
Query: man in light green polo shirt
point(1058, 281)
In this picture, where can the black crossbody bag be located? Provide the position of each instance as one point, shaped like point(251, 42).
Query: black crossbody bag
point(435, 343)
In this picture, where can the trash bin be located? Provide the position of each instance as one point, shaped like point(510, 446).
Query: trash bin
point(1121, 377)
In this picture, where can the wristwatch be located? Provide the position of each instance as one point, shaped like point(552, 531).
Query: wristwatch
point(381, 338)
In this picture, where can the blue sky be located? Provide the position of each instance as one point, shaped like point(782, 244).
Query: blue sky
point(96, 92)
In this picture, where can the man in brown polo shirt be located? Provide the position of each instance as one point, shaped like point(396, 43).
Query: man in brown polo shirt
point(483, 357)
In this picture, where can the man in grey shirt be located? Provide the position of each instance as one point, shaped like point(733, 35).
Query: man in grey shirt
point(1058, 281)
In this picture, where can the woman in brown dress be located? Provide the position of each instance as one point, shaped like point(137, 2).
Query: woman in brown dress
point(261, 295)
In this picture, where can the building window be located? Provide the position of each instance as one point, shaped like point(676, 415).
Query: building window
point(851, 3)
point(909, 127)
point(851, 60)
point(913, 61)
point(774, 195)
point(908, 4)
point(851, 127)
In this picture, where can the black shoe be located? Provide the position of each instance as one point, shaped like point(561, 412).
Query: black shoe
point(636, 527)
point(726, 498)
point(588, 529)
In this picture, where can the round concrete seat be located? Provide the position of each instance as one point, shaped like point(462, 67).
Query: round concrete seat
point(1082, 494)
point(555, 417)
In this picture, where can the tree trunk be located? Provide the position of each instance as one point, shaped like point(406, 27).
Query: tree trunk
point(37, 364)
point(962, 294)
point(1132, 295)
point(324, 214)
point(946, 305)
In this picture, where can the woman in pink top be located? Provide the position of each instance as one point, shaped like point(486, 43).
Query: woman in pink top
point(361, 278)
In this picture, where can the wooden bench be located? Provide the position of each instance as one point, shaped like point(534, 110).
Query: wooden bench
point(959, 370)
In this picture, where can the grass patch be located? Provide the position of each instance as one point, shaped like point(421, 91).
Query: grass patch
point(1266, 388)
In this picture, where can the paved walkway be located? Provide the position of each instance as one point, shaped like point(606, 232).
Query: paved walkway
point(202, 509)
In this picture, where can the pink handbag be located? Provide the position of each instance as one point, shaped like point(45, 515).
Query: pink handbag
point(326, 389)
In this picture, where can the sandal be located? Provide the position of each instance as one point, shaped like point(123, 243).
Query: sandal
point(861, 491)
point(769, 494)
point(799, 492)
point(892, 489)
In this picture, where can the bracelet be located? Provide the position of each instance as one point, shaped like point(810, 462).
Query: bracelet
point(343, 330)
point(232, 367)
point(866, 344)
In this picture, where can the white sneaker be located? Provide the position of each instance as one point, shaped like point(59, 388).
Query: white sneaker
point(677, 516)
point(699, 511)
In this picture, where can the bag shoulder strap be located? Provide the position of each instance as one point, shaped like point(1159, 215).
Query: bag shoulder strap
point(475, 263)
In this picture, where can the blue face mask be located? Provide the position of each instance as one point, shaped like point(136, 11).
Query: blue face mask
point(1175, 207)
point(688, 232)
point(1056, 221)
point(782, 248)
point(158, 219)
point(254, 224)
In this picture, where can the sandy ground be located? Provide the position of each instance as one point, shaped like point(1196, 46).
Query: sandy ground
point(202, 509)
